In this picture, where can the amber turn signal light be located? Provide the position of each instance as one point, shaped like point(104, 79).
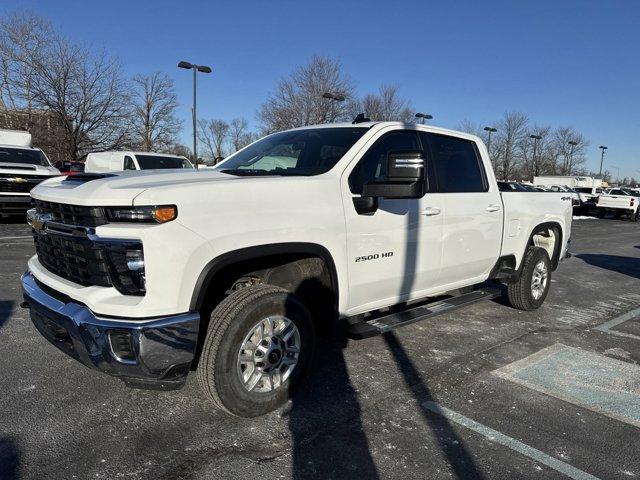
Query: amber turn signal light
point(165, 214)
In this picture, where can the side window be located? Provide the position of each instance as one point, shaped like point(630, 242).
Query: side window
point(128, 163)
point(457, 165)
point(373, 165)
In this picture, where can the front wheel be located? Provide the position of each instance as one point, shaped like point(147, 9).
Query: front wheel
point(260, 341)
point(531, 289)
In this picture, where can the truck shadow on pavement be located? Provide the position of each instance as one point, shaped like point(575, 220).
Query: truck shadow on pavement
point(616, 263)
point(6, 307)
point(9, 459)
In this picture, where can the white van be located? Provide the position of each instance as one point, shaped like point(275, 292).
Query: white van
point(100, 162)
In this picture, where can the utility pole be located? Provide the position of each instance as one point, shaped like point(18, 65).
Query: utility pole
point(603, 148)
point(202, 69)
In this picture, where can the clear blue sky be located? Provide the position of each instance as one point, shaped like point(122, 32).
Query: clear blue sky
point(562, 62)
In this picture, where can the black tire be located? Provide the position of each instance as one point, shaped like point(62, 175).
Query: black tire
point(520, 293)
point(635, 216)
point(601, 213)
point(231, 321)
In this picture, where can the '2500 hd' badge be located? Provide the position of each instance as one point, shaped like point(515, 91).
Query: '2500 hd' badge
point(374, 256)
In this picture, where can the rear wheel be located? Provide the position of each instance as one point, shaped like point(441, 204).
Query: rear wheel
point(260, 341)
point(531, 289)
point(635, 216)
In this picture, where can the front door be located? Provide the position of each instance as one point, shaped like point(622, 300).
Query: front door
point(395, 253)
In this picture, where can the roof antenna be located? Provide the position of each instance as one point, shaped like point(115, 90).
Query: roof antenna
point(360, 118)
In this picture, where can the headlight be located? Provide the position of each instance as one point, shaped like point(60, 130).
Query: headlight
point(151, 214)
point(126, 265)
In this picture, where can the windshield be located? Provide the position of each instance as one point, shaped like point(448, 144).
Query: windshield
point(300, 152)
point(20, 155)
point(152, 162)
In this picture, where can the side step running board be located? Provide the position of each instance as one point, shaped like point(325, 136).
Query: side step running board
point(411, 315)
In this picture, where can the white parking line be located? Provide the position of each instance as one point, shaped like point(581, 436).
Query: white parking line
point(512, 443)
point(607, 326)
point(16, 238)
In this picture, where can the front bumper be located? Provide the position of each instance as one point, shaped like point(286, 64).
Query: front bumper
point(153, 353)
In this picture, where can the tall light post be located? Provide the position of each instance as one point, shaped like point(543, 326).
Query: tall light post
point(333, 97)
point(573, 143)
point(536, 138)
point(490, 130)
point(201, 69)
point(603, 148)
point(423, 117)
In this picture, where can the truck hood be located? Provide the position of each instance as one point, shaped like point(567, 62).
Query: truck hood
point(121, 188)
point(26, 169)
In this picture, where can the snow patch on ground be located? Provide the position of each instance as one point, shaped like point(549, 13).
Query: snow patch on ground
point(582, 217)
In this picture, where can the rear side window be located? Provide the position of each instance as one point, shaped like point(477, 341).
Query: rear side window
point(457, 165)
point(128, 163)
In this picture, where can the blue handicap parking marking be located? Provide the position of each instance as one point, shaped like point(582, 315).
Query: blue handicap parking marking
point(605, 385)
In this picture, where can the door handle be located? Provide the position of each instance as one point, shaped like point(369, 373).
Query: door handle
point(430, 211)
point(493, 208)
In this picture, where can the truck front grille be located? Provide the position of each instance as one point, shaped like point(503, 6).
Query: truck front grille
point(12, 183)
point(72, 214)
point(75, 259)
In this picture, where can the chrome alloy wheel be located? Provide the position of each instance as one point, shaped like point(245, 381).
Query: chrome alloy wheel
point(539, 280)
point(268, 354)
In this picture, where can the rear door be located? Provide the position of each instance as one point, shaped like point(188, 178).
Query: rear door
point(472, 208)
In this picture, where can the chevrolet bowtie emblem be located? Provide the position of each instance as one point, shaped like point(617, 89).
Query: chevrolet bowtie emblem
point(19, 180)
point(38, 220)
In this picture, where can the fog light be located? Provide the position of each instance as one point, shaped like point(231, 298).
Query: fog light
point(122, 346)
point(135, 261)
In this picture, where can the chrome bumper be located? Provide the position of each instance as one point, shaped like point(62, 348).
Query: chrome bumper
point(153, 353)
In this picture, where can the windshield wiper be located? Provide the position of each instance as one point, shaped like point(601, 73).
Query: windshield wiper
point(245, 171)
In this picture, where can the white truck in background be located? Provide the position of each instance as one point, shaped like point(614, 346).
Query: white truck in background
point(118, 161)
point(619, 202)
point(231, 271)
point(21, 168)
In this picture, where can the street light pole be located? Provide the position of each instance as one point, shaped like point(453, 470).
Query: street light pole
point(336, 97)
point(573, 144)
point(202, 69)
point(535, 149)
point(603, 148)
point(423, 117)
point(490, 130)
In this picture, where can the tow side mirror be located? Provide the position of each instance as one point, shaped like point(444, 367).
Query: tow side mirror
point(404, 179)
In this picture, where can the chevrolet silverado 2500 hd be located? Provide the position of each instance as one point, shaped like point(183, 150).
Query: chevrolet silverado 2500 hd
point(619, 201)
point(21, 168)
point(231, 271)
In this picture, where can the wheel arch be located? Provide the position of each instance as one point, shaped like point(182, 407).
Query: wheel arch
point(557, 247)
point(257, 252)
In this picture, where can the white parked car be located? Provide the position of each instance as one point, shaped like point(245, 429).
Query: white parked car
point(619, 201)
point(21, 168)
point(101, 162)
point(231, 271)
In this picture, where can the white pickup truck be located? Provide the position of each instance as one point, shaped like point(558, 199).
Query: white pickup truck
point(21, 168)
point(231, 271)
point(619, 201)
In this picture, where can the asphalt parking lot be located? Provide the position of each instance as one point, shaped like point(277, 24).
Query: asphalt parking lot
point(486, 392)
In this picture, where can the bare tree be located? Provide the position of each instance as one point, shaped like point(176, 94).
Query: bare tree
point(154, 121)
point(297, 99)
point(238, 132)
point(385, 105)
point(568, 157)
point(85, 92)
point(509, 139)
point(213, 134)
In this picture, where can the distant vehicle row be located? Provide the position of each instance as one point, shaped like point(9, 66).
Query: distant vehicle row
point(22, 167)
